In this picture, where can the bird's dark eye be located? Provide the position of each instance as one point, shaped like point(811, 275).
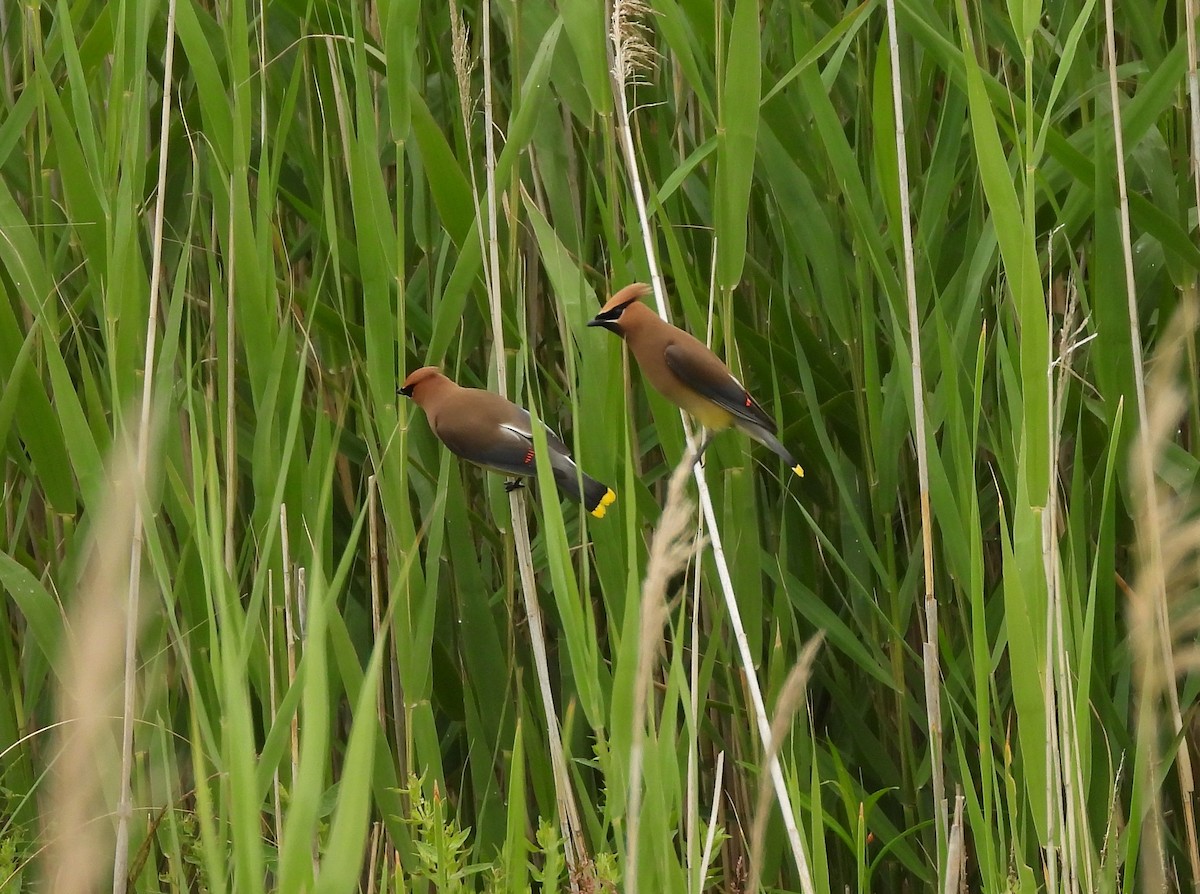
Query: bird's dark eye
point(611, 315)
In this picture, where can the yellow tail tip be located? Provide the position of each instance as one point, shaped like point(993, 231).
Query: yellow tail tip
point(605, 501)
point(798, 469)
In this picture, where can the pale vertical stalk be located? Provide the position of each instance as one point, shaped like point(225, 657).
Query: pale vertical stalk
point(400, 725)
point(568, 815)
point(302, 618)
point(302, 603)
point(791, 695)
point(1064, 802)
point(1053, 848)
point(289, 633)
point(933, 686)
point(276, 795)
point(955, 852)
point(491, 245)
point(125, 805)
point(376, 585)
point(230, 427)
point(1115, 819)
point(5, 56)
point(710, 836)
point(760, 708)
point(1153, 535)
point(262, 75)
point(1191, 10)
point(10, 511)
point(624, 125)
point(695, 882)
point(373, 859)
point(1078, 839)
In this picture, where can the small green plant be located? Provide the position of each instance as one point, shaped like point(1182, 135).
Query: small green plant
point(441, 848)
point(11, 865)
point(550, 873)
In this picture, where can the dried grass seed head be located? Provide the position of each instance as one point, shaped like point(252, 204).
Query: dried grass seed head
point(633, 53)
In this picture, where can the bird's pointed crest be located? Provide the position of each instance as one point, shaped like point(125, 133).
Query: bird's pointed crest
point(611, 312)
point(626, 297)
point(416, 377)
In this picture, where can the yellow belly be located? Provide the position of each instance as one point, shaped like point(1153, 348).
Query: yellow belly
point(706, 412)
point(649, 347)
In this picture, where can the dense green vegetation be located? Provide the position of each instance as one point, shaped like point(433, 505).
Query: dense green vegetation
point(227, 232)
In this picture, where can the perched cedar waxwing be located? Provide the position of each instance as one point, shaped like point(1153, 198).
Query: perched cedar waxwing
point(686, 372)
point(495, 433)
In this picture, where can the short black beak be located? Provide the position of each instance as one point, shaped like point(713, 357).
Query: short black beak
point(610, 325)
point(407, 392)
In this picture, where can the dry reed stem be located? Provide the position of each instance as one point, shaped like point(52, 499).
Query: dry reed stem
point(76, 815)
point(956, 855)
point(491, 245)
point(261, 30)
point(289, 633)
point(1153, 536)
point(624, 126)
point(302, 618)
point(929, 652)
point(273, 691)
point(671, 547)
point(125, 806)
point(1115, 822)
point(710, 836)
point(1066, 812)
point(791, 697)
point(1191, 10)
point(377, 595)
point(231, 471)
point(6, 56)
point(373, 858)
point(693, 767)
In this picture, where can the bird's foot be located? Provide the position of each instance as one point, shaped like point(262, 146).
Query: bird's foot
point(510, 486)
point(703, 445)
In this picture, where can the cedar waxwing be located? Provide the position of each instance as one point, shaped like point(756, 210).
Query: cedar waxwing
point(686, 372)
point(495, 433)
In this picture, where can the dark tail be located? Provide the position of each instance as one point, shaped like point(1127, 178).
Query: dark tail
point(767, 439)
point(595, 496)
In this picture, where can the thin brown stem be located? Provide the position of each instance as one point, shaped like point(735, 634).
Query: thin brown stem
point(133, 607)
point(933, 692)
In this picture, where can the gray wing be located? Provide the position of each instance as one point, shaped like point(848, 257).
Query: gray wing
point(703, 372)
point(523, 425)
point(508, 449)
